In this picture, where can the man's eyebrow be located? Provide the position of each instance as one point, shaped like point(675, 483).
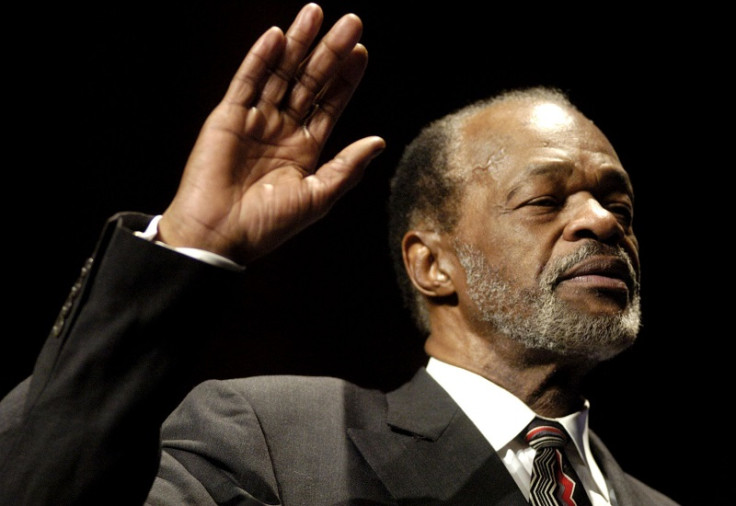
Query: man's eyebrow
point(612, 178)
point(548, 168)
point(617, 179)
point(551, 168)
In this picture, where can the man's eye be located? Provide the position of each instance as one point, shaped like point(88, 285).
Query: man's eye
point(623, 212)
point(544, 202)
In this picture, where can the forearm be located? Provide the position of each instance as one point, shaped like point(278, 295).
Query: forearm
point(114, 367)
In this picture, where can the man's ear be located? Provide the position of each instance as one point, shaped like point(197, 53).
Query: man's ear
point(427, 262)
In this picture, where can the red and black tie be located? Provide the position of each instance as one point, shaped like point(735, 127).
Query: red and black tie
point(554, 483)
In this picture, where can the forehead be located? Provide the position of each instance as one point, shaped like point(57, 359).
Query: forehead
point(517, 134)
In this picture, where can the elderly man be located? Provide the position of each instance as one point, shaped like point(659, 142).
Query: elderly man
point(512, 223)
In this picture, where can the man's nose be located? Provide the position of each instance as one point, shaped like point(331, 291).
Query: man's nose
point(590, 220)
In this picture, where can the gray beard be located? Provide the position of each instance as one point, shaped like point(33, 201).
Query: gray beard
point(538, 319)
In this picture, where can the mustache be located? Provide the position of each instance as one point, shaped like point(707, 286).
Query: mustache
point(559, 266)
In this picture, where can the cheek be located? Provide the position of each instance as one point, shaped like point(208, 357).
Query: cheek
point(530, 249)
point(519, 256)
point(632, 248)
point(516, 247)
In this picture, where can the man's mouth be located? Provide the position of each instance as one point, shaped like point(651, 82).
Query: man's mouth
point(599, 272)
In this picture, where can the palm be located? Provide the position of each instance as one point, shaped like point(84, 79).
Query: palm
point(252, 179)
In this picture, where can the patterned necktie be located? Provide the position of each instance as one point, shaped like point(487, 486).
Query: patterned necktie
point(554, 483)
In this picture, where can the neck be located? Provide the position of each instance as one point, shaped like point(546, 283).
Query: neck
point(548, 383)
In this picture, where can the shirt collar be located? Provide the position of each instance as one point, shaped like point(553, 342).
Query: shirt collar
point(498, 414)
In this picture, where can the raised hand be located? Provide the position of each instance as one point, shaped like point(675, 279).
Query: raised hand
point(253, 179)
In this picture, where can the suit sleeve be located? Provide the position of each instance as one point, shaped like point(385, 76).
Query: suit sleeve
point(204, 442)
point(85, 429)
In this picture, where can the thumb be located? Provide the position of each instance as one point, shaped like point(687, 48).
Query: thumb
point(345, 170)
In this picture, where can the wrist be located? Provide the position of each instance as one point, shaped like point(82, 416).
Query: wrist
point(152, 234)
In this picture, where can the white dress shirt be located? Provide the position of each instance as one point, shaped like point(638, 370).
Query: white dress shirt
point(206, 256)
point(501, 417)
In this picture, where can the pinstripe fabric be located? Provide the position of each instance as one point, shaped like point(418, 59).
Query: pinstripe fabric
point(553, 482)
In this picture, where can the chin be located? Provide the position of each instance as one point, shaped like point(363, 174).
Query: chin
point(600, 303)
point(596, 331)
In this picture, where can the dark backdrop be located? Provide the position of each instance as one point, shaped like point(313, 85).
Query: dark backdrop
point(104, 104)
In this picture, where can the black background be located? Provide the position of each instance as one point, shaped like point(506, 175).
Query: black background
point(104, 103)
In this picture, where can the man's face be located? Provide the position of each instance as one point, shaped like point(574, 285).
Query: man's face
point(545, 234)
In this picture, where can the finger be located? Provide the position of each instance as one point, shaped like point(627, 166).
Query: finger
point(299, 38)
point(253, 72)
point(337, 94)
point(340, 174)
point(319, 68)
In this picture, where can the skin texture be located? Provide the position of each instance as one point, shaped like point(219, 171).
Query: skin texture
point(541, 182)
point(253, 180)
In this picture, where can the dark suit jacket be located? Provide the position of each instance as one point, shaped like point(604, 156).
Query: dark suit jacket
point(323, 441)
point(85, 429)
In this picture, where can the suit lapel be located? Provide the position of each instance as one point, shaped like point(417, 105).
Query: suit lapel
point(618, 481)
point(430, 452)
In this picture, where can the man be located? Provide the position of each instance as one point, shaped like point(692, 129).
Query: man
point(513, 222)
